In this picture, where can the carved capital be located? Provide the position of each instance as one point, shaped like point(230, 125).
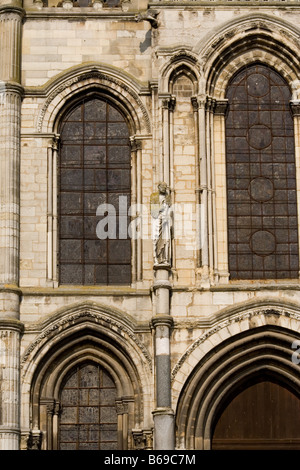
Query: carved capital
point(135, 144)
point(295, 107)
point(143, 439)
point(168, 102)
point(34, 441)
point(122, 405)
point(138, 440)
point(25, 436)
point(119, 407)
point(194, 103)
point(220, 107)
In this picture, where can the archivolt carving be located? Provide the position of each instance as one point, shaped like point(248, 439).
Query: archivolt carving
point(266, 312)
point(241, 27)
point(276, 41)
point(100, 78)
point(76, 317)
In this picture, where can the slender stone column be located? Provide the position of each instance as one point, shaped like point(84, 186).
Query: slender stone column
point(219, 110)
point(11, 15)
point(168, 105)
point(295, 108)
point(164, 435)
point(203, 187)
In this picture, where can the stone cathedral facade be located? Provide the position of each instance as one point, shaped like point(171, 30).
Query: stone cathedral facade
point(149, 242)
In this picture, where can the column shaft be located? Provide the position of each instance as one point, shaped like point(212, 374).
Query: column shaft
point(10, 118)
point(164, 434)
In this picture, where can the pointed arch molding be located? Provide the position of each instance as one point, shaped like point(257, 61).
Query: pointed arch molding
point(246, 39)
point(249, 342)
point(233, 321)
point(110, 322)
point(106, 79)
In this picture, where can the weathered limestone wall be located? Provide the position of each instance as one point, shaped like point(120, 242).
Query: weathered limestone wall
point(52, 46)
point(182, 134)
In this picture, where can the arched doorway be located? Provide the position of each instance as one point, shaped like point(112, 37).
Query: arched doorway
point(261, 416)
point(248, 359)
point(85, 390)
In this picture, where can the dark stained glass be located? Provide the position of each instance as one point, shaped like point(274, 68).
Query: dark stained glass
point(88, 420)
point(261, 181)
point(94, 169)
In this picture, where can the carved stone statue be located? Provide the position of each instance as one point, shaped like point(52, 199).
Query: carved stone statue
point(162, 224)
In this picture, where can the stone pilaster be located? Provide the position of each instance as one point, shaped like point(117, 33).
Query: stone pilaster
point(11, 15)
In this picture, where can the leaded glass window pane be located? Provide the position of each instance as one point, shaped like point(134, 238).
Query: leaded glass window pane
point(261, 182)
point(88, 420)
point(94, 169)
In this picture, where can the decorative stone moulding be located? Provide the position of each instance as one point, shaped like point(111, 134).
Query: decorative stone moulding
point(98, 4)
point(67, 4)
point(125, 5)
point(38, 4)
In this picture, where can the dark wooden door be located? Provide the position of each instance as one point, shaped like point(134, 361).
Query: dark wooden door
point(264, 416)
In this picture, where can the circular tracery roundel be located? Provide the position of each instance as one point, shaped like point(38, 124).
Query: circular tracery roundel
point(257, 85)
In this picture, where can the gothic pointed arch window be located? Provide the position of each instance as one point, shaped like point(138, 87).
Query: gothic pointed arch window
point(94, 169)
point(88, 418)
point(261, 177)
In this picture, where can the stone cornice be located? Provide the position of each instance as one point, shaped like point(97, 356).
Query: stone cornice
point(97, 291)
point(80, 14)
point(221, 3)
point(11, 288)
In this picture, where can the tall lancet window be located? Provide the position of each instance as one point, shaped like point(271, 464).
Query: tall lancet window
point(94, 170)
point(261, 177)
